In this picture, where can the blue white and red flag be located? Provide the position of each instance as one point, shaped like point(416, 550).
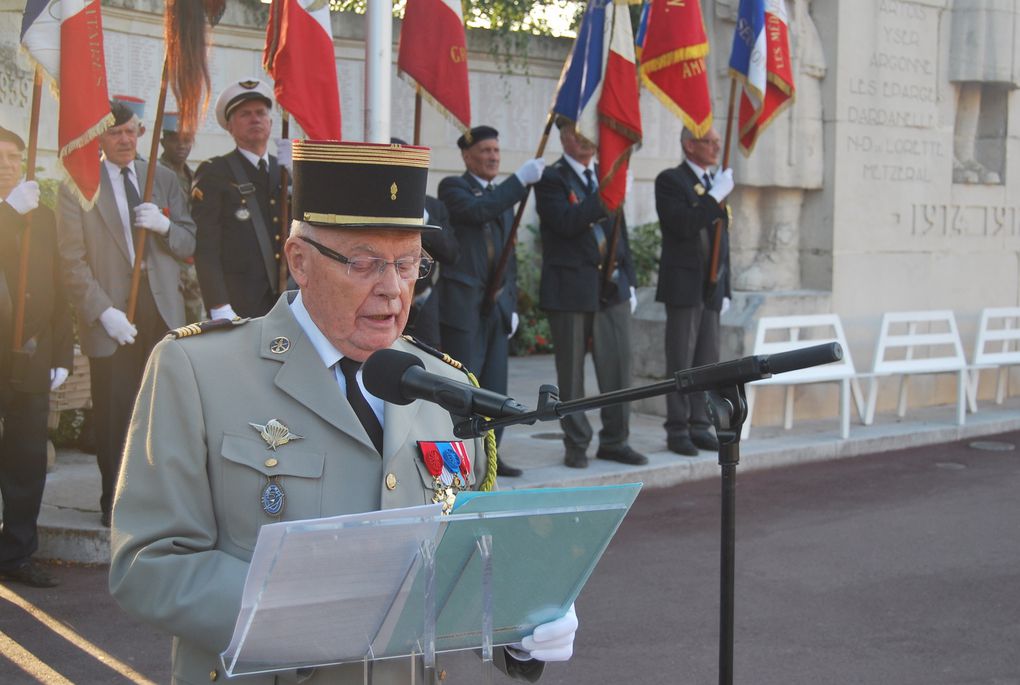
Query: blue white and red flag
point(599, 93)
point(761, 61)
point(65, 38)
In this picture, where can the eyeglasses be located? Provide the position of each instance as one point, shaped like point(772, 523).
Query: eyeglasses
point(367, 268)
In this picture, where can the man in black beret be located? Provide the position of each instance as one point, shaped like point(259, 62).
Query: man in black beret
point(481, 213)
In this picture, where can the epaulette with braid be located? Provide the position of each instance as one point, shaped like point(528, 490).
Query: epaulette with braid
point(206, 326)
point(490, 437)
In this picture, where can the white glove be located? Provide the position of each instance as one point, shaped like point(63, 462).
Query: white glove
point(531, 171)
point(117, 326)
point(57, 377)
point(722, 185)
point(283, 150)
point(630, 181)
point(633, 299)
point(223, 312)
point(24, 198)
point(725, 306)
point(553, 641)
point(151, 218)
point(515, 321)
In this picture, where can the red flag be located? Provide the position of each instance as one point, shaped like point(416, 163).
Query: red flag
point(767, 91)
point(619, 113)
point(299, 58)
point(79, 73)
point(433, 56)
point(673, 51)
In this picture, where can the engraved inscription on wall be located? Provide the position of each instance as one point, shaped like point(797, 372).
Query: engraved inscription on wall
point(976, 221)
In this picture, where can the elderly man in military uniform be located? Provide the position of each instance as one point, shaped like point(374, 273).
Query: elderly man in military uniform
point(236, 204)
point(199, 480)
point(481, 213)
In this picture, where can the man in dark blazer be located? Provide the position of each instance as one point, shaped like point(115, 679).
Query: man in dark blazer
point(235, 202)
point(688, 200)
point(97, 253)
point(580, 303)
point(38, 365)
point(481, 214)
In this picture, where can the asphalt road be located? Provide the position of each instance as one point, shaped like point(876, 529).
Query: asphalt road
point(897, 568)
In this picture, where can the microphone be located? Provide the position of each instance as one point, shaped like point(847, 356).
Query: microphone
point(749, 369)
point(400, 378)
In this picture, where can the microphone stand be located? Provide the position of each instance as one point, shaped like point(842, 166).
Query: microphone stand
point(723, 384)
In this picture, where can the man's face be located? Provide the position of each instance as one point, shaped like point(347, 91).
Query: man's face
point(249, 124)
point(357, 314)
point(176, 147)
point(120, 142)
point(10, 167)
point(704, 151)
point(482, 159)
point(577, 146)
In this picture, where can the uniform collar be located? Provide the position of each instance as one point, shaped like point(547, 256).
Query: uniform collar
point(253, 158)
point(327, 352)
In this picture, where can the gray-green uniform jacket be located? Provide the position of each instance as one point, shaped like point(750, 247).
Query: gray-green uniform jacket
point(188, 510)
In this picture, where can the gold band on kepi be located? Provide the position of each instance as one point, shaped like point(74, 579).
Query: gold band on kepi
point(360, 185)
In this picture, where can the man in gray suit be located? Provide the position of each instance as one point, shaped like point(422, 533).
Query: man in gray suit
point(97, 252)
point(199, 479)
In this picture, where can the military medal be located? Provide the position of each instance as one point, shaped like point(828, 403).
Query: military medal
point(699, 189)
point(273, 498)
point(275, 433)
point(242, 213)
point(446, 463)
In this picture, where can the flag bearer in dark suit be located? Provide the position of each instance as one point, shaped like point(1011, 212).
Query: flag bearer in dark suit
point(28, 374)
point(580, 305)
point(236, 205)
point(199, 478)
point(688, 200)
point(97, 253)
point(481, 213)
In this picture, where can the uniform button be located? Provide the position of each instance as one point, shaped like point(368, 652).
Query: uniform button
point(277, 237)
point(271, 462)
point(276, 220)
point(272, 200)
point(391, 481)
point(277, 256)
point(213, 675)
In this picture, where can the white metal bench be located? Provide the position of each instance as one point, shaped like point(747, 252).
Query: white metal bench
point(784, 333)
point(901, 340)
point(997, 347)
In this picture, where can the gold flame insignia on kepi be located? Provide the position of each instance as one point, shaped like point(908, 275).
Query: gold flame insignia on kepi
point(360, 185)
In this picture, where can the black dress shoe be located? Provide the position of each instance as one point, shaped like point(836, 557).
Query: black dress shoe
point(705, 440)
point(106, 518)
point(627, 455)
point(682, 444)
point(507, 471)
point(31, 574)
point(575, 458)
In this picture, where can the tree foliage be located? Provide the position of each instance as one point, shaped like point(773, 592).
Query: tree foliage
point(505, 17)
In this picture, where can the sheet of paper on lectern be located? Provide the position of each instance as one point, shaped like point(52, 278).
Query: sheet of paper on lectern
point(318, 590)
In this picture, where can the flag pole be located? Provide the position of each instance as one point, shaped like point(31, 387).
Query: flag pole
point(284, 207)
point(33, 146)
point(614, 240)
point(713, 272)
point(150, 178)
point(417, 116)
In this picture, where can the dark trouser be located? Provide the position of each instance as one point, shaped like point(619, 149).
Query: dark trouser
point(22, 473)
point(483, 352)
point(692, 339)
point(609, 332)
point(115, 381)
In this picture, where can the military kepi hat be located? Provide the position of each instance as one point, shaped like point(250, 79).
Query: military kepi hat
point(238, 93)
point(171, 122)
point(360, 185)
point(126, 106)
point(476, 135)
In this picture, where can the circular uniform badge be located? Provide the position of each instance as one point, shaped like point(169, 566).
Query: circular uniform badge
point(242, 214)
point(273, 498)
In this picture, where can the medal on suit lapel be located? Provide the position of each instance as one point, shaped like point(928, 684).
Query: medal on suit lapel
point(448, 465)
point(273, 498)
point(699, 189)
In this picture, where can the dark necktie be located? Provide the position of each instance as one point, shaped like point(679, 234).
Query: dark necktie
point(708, 181)
point(359, 404)
point(589, 182)
point(489, 188)
point(131, 193)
